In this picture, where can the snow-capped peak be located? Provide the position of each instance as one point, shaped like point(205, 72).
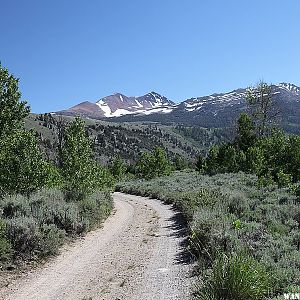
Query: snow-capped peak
point(289, 87)
point(117, 104)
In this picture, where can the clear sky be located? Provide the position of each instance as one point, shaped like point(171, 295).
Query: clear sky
point(68, 51)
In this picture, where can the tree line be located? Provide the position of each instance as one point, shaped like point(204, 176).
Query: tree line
point(23, 169)
point(259, 146)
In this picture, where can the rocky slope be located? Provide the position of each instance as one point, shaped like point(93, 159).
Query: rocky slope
point(118, 105)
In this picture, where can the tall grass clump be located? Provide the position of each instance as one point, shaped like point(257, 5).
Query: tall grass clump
point(235, 278)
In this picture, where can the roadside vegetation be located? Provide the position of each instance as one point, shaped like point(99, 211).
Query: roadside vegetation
point(43, 202)
point(242, 207)
point(234, 222)
point(240, 201)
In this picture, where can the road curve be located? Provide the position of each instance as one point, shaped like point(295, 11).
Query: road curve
point(138, 254)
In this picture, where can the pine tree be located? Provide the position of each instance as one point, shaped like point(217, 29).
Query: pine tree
point(246, 136)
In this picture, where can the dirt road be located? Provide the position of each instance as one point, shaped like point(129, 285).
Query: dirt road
point(136, 255)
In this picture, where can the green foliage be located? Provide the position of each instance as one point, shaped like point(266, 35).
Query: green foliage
point(230, 214)
point(229, 155)
point(50, 207)
point(50, 240)
point(23, 233)
point(237, 224)
point(154, 164)
point(36, 226)
point(246, 136)
point(35, 219)
point(235, 278)
point(200, 164)
point(262, 109)
point(5, 246)
point(31, 241)
point(80, 171)
point(76, 159)
point(118, 168)
point(283, 179)
point(12, 110)
point(274, 158)
point(212, 160)
point(255, 160)
point(22, 168)
point(179, 162)
point(96, 208)
point(258, 147)
point(103, 179)
point(14, 206)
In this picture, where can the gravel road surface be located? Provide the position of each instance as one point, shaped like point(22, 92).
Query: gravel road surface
point(138, 254)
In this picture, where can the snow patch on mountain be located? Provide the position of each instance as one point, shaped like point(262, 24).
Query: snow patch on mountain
point(162, 110)
point(119, 105)
point(289, 87)
point(104, 107)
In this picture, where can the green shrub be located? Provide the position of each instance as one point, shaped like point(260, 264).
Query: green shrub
point(235, 278)
point(23, 233)
point(154, 164)
point(36, 226)
point(238, 205)
point(51, 239)
point(15, 206)
point(49, 207)
point(5, 246)
point(214, 233)
point(284, 179)
point(230, 213)
point(96, 208)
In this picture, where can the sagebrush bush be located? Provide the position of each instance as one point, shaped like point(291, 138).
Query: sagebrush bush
point(235, 278)
point(36, 226)
point(24, 235)
point(14, 206)
point(233, 213)
point(51, 239)
point(50, 207)
point(96, 207)
point(6, 250)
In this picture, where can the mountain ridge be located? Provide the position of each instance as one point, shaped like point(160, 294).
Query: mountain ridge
point(215, 110)
point(118, 104)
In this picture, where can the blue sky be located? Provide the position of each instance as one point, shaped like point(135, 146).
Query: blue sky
point(68, 51)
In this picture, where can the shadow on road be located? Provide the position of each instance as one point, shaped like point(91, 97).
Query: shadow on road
point(180, 231)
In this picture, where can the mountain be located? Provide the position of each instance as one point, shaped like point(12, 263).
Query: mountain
point(221, 110)
point(118, 105)
point(216, 110)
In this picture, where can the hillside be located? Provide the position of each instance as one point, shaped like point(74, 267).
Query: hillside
point(129, 139)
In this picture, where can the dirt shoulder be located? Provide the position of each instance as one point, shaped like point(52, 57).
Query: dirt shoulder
point(138, 254)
